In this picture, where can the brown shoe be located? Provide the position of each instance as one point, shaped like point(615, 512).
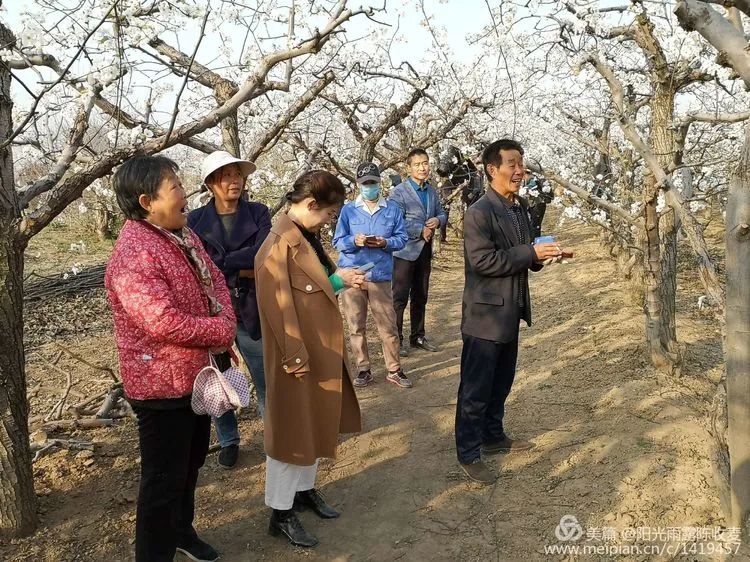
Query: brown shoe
point(478, 472)
point(506, 445)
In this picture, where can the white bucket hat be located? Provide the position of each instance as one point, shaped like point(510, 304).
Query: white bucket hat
point(221, 158)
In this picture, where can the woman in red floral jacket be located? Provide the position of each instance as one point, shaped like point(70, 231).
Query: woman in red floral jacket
point(171, 309)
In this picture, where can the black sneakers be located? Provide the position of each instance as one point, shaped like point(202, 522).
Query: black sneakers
point(363, 379)
point(199, 551)
point(399, 379)
point(228, 456)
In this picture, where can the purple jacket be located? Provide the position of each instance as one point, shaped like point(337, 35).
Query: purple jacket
point(251, 227)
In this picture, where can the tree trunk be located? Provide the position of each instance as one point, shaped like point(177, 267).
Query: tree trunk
point(662, 144)
point(230, 140)
point(17, 499)
point(656, 336)
point(609, 242)
point(720, 454)
point(738, 337)
point(230, 134)
point(668, 231)
point(103, 222)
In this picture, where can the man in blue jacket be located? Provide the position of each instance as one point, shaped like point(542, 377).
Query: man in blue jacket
point(369, 230)
point(423, 214)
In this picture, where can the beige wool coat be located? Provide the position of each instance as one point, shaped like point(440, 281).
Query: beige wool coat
point(310, 399)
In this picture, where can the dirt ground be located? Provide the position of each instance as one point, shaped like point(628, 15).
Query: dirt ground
point(618, 445)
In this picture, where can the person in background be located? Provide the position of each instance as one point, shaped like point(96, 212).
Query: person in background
point(457, 171)
point(232, 230)
point(171, 309)
point(310, 399)
point(498, 254)
point(369, 230)
point(539, 194)
point(423, 214)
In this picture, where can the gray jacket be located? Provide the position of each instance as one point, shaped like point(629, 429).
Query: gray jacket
point(415, 216)
point(494, 259)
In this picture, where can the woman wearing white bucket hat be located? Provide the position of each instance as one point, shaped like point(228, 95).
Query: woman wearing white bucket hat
point(232, 230)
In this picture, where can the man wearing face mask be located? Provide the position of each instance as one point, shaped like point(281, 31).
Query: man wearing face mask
point(369, 230)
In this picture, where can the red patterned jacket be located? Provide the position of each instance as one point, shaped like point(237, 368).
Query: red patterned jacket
point(162, 324)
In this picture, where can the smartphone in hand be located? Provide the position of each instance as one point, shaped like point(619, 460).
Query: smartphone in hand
point(365, 268)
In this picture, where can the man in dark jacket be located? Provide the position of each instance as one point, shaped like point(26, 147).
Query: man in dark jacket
point(232, 230)
point(498, 254)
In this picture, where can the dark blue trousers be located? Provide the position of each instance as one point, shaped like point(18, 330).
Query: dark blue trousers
point(487, 372)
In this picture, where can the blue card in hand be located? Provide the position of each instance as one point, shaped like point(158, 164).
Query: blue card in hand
point(545, 240)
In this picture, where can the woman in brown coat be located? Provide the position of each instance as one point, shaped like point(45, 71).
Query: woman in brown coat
point(309, 395)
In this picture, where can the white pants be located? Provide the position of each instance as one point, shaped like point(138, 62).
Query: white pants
point(283, 480)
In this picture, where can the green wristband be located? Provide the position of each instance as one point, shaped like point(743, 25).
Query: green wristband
point(337, 283)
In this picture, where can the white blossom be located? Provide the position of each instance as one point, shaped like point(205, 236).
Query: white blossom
point(661, 203)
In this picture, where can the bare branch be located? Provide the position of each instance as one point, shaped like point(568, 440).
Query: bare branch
point(131, 122)
point(176, 109)
point(648, 42)
point(743, 5)
point(431, 138)
point(71, 186)
point(349, 116)
point(75, 139)
point(290, 115)
point(122, 116)
point(585, 195)
point(417, 84)
point(397, 114)
point(63, 73)
point(197, 71)
point(625, 31)
point(341, 169)
point(710, 117)
point(717, 30)
point(39, 59)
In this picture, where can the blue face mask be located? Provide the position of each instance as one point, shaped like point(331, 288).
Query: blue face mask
point(370, 192)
